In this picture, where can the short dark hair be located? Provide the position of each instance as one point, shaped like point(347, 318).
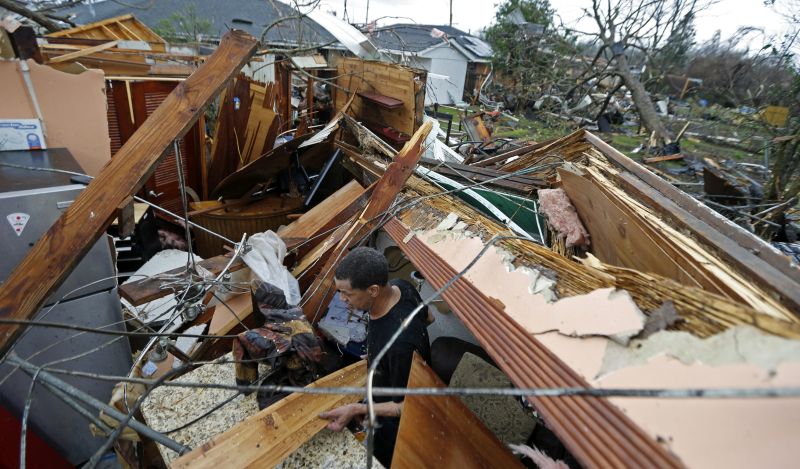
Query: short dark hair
point(363, 267)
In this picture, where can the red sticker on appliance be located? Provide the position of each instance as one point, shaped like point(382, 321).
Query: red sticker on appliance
point(18, 222)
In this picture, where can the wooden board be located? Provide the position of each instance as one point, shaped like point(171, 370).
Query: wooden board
point(401, 83)
point(268, 437)
point(54, 256)
point(744, 251)
point(440, 431)
point(310, 222)
point(616, 237)
point(81, 53)
point(230, 131)
point(317, 297)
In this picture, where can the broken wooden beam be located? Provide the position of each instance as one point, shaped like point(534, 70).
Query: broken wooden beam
point(82, 53)
point(316, 298)
point(51, 260)
point(268, 437)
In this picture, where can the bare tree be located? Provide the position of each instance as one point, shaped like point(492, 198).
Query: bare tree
point(634, 30)
point(32, 13)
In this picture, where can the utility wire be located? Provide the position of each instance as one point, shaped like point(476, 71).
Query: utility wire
point(665, 393)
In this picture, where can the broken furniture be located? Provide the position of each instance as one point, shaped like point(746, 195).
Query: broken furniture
point(268, 213)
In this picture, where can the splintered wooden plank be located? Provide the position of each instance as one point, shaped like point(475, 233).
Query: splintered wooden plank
point(763, 265)
point(313, 221)
point(53, 257)
point(320, 293)
point(268, 437)
point(618, 238)
point(440, 431)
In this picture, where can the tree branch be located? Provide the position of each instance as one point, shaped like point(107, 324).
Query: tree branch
point(34, 16)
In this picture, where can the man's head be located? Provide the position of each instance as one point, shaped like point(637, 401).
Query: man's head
point(361, 276)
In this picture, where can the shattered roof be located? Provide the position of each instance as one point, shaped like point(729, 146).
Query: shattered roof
point(252, 16)
point(417, 37)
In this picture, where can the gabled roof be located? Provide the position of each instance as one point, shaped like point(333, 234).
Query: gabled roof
point(252, 16)
point(417, 38)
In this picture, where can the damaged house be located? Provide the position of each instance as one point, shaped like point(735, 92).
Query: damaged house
point(586, 312)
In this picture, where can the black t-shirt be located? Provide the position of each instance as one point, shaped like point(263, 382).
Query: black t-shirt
point(395, 366)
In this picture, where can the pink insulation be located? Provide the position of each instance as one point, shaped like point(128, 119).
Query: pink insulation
point(562, 216)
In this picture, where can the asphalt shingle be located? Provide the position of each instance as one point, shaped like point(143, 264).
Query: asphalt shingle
point(252, 16)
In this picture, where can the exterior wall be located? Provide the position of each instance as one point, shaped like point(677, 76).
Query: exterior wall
point(444, 60)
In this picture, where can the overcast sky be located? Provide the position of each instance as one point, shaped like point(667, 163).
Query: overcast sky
point(472, 15)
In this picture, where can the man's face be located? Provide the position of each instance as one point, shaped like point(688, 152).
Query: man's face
point(355, 298)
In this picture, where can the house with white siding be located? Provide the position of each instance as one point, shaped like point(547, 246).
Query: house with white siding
point(456, 62)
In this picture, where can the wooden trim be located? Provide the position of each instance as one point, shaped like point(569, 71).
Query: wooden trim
point(51, 260)
point(268, 437)
point(90, 26)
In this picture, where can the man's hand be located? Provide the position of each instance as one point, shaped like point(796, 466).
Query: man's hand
point(341, 416)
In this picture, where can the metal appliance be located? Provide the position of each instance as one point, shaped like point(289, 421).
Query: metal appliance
point(30, 202)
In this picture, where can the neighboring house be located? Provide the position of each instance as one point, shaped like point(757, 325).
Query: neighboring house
point(253, 16)
point(456, 62)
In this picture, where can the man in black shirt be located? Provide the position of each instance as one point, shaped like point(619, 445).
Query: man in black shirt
point(362, 279)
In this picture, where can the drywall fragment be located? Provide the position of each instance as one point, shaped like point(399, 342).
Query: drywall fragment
point(437, 238)
point(539, 284)
point(605, 312)
point(449, 221)
point(460, 226)
point(185, 344)
point(740, 344)
point(712, 433)
point(73, 108)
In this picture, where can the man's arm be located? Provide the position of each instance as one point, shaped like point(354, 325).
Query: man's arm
point(341, 416)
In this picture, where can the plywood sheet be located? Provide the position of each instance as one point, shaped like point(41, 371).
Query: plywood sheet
point(394, 81)
point(440, 431)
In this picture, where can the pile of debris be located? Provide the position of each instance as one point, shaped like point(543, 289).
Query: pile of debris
point(580, 275)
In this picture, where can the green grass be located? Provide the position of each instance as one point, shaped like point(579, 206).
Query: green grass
point(728, 122)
